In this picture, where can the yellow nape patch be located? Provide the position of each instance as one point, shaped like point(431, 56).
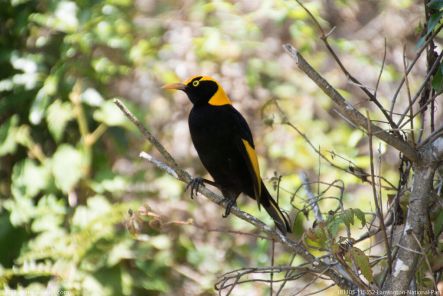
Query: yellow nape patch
point(254, 162)
point(219, 98)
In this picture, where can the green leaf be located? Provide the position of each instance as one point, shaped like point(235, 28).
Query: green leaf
point(92, 97)
point(96, 206)
point(49, 214)
point(21, 210)
point(57, 116)
point(433, 21)
point(120, 251)
point(8, 143)
point(28, 179)
point(22, 136)
point(437, 80)
point(334, 225)
point(67, 167)
point(360, 216)
point(42, 99)
point(348, 217)
point(114, 184)
point(362, 262)
point(438, 224)
point(436, 4)
point(110, 114)
point(317, 234)
point(421, 41)
point(38, 107)
point(66, 16)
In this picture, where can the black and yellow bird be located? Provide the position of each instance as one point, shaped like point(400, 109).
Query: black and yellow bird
point(225, 146)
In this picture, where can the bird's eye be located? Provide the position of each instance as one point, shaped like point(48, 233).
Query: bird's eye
point(195, 83)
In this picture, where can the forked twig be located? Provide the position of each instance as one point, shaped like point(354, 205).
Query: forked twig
point(347, 109)
point(411, 66)
point(372, 97)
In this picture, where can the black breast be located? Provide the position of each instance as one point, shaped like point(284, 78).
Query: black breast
point(216, 136)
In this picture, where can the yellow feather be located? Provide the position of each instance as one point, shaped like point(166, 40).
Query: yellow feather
point(254, 161)
point(275, 206)
point(219, 98)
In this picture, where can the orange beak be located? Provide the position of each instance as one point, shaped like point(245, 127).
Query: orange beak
point(179, 86)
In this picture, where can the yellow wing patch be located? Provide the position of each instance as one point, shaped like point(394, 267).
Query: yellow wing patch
point(279, 213)
point(252, 156)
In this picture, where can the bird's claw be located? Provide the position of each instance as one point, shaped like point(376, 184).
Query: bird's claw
point(230, 204)
point(195, 186)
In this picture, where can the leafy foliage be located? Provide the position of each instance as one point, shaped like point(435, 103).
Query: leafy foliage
point(361, 261)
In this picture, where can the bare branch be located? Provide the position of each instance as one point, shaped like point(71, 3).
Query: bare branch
point(376, 201)
point(381, 72)
point(170, 161)
point(347, 109)
point(313, 200)
point(432, 152)
point(352, 169)
point(417, 56)
point(419, 111)
point(161, 165)
point(409, 96)
point(372, 97)
point(423, 85)
point(437, 133)
point(405, 263)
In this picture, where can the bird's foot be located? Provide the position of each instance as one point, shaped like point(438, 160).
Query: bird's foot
point(231, 203)
point(195, 184)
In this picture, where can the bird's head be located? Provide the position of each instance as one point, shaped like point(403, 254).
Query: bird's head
point(202, 90)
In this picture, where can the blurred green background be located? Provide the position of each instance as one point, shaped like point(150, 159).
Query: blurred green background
point(70, 170)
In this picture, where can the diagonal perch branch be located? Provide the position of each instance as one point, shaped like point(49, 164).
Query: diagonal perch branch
point(171, 167)
point(346, 108)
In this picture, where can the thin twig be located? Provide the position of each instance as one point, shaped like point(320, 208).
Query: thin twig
point(182, 175)
point(286, 121)
point(374, 191)
point(418, 112)
point(230, 231)
point(271, 275)
point(381, 71)
point(366, 90)
point(411, 66)
point(409, 96)
point(426, 259)
point(161, 165)
point(432, 137)
point(286, 276)
point(423, 85)
point(292, 273)
point(320, 291)
point(307, 285)
point(313, 201)
point(347, 109)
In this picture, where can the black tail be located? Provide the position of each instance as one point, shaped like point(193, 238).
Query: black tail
point(274, 211)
